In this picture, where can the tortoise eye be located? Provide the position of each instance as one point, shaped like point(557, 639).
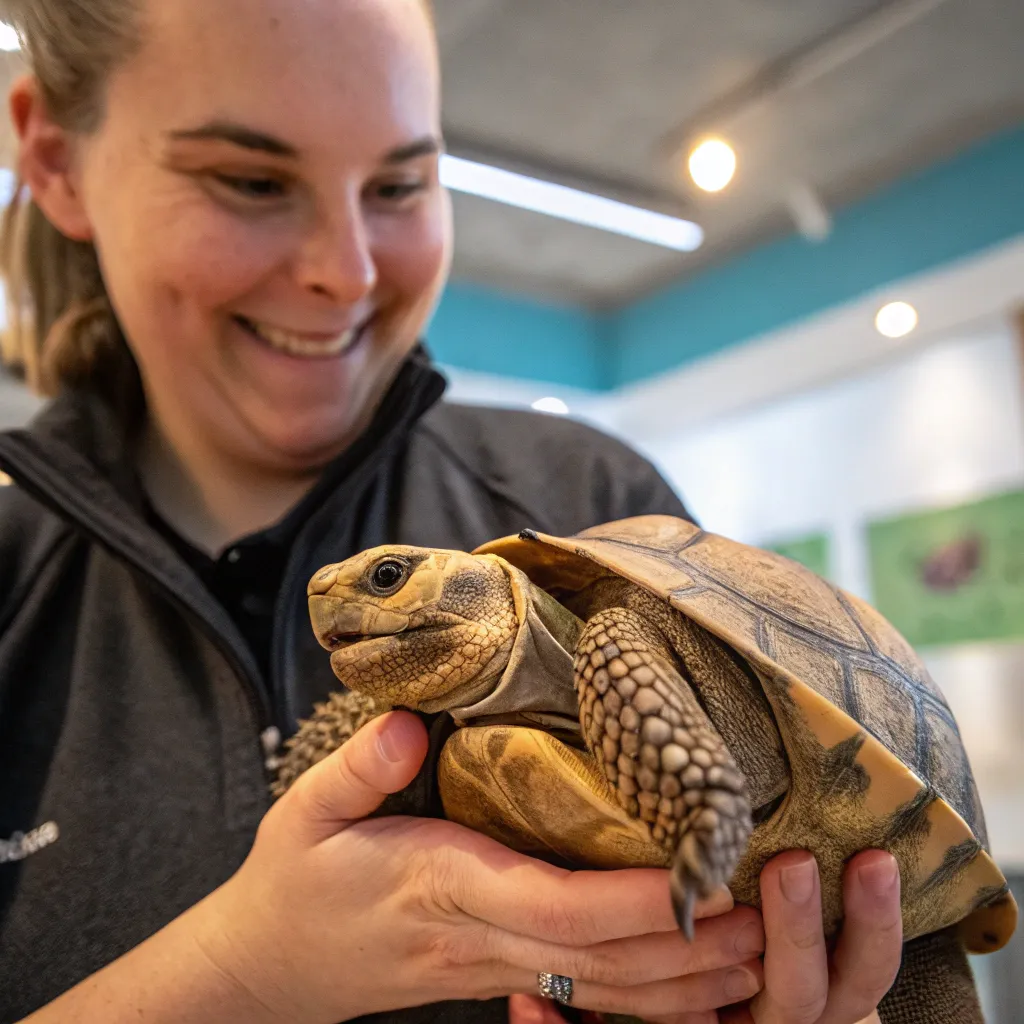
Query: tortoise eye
point(388, 575)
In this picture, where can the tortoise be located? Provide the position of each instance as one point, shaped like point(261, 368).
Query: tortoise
point(647, 693)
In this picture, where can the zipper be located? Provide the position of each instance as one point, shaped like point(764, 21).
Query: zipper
point(38, 479)
point(417, 387)
point(290, 578)
point(254, 693)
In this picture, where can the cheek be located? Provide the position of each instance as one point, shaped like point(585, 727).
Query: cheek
point(172, 273)
point(414, 259)
point(212, 262)
point(178, 251)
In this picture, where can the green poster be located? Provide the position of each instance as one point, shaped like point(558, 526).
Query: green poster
point(954, 575)
point(811, 551)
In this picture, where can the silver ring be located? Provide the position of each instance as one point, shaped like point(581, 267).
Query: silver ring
point(555, 986)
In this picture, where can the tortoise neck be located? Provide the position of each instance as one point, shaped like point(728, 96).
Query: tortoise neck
point(606, 592)
point(560, 622)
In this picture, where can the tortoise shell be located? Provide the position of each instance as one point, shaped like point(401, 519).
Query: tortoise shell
point(854, 705)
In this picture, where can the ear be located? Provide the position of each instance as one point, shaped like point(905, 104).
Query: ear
point(46, 160)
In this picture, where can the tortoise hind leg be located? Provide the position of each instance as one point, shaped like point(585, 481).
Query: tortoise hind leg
point(935, 984)
point(660, 753)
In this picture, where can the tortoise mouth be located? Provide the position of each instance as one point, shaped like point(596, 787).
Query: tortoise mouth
point(339, 641)
point(342, 641)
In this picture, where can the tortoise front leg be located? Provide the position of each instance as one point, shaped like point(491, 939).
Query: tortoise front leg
point(661, 754)
point(530, 791)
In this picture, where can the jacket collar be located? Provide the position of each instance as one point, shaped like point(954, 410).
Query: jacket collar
point(78, 432)
point(75, 458)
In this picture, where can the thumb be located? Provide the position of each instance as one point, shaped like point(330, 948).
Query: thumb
point(381, 758)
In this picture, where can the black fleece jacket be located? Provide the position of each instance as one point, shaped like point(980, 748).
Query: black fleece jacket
point(132, 775)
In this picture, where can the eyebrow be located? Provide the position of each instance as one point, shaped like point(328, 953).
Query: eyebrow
point(237, 135)
point(427, 146)
point(248, 138)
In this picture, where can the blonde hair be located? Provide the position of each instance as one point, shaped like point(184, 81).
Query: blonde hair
point(61, 329)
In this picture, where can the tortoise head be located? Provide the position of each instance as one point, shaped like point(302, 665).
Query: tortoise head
point(421, 628)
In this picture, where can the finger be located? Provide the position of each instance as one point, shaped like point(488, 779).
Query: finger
point(795, 960)
point(567, 908)
point(724, 941)
point(867, 955)
point(739, 1014)
point(381, 758)
point(524, 1009)
point(707, 1017)
point(694, 993)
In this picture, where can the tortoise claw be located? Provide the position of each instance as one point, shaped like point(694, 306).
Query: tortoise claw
point(684, 901)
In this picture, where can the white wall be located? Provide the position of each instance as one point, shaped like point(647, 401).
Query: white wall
point(934, 427)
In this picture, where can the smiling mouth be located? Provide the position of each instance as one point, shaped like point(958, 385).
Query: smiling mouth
point(303, 347)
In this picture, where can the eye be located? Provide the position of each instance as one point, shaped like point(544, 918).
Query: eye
point(253, 188)
point(399, 190)
point(387, 576)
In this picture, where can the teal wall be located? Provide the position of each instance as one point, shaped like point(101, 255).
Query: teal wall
point(949, 211)
point(479, 329)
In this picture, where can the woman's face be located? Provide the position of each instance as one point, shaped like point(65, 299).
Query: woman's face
point(263, 194)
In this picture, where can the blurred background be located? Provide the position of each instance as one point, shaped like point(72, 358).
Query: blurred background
point(778, 246)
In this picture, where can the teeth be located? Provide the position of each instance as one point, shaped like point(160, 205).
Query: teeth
point(294, 345)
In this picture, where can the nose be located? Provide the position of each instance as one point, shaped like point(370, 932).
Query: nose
point(332, 618)
point(322, 582)
point(337, 259)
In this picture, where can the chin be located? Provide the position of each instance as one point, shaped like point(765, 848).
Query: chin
point(307, 429)
point(306, 444)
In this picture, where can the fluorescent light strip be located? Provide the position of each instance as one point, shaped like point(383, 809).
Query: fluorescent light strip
point(569, 204)
point(9, 40)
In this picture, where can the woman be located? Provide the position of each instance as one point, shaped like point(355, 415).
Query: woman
point(235, 237)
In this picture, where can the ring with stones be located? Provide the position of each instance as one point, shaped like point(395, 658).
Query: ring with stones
point(555, 986)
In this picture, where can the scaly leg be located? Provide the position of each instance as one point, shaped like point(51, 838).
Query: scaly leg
point(332, 723)
point(661, 754)
point(935, 984)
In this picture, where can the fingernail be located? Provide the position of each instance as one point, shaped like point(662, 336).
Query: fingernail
point(739, 984)
point(391, 742)
point(797, 882)
point(750, 939)
point(879, 877)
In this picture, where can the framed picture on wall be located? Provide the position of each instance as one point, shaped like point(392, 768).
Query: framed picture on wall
point(952, 575)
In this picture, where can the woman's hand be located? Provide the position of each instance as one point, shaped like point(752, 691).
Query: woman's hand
point(331, 917)
point(802, 984)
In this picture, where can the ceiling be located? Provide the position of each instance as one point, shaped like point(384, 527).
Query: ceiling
point(838, 95)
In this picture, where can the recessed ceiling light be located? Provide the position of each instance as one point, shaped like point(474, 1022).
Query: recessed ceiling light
point(712, 165)
point(896, 319)
point(555, 405)
point(569, 204)
point(9, 40)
